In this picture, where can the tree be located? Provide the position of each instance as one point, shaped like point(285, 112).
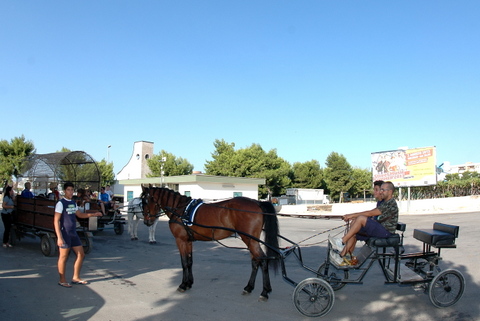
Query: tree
point(362, 181)
point(223, 157)
point(338, 175)
point(307, 175)
point(252, 161)
point(106, 172)
point(172, 166)
point(12, 157)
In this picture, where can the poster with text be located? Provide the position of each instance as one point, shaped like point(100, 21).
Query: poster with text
point(406, 167)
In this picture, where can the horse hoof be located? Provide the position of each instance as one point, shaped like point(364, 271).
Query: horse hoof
point(262, 299)
point(245, 292)
point(181, 290)
point(152, 242)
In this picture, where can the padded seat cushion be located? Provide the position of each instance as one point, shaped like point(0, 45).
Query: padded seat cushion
point(393, 240)
point(434, 237)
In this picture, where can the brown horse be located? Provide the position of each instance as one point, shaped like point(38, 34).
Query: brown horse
point(215, 221)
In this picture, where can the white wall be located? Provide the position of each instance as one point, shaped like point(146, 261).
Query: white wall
point(218, 191)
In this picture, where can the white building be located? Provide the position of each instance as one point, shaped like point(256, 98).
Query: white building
point(137, 166)
point(459, 169)
point(196, 185)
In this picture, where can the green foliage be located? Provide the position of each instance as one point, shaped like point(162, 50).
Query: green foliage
point(338, 175)
point(252, 161)
point(172, 166)
point(223, 159)
point(12, 157)
point(308, 175)
point(362, 181)
point(106, 172)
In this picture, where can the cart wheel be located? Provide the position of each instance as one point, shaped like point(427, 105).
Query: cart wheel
point(47, 243)
point(87, 243)
point(313, 297)
point(333, 277)
point(118, 228)
point(446, 288)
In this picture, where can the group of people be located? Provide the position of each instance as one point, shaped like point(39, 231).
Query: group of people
point(64, 222)
point(379, 222)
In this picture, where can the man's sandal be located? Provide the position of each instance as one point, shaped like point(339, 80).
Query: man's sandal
point(65, 284)
point(81, 282)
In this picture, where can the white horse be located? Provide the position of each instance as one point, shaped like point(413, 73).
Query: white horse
point(135, 209)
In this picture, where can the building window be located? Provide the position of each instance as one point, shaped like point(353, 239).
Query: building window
point(129, 196)
point(237, 194)
point(188, 194)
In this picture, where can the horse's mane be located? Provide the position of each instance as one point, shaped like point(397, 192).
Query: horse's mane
point(175, 193)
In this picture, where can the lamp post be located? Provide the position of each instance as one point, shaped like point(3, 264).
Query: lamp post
point(108, 152)
point(162, 163)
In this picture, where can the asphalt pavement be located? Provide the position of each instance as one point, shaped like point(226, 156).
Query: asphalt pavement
point(133, 280)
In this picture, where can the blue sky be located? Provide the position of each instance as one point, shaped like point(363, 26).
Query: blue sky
point(306, 78)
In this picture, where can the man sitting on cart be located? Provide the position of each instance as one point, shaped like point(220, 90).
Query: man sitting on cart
point(363, 225)
point(104, 198)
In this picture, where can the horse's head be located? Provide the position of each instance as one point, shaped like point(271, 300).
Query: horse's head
point(150, 205)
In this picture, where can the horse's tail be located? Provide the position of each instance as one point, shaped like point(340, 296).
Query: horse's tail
point(271, 232)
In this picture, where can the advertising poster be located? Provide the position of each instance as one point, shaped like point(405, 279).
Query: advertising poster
point(406, 167)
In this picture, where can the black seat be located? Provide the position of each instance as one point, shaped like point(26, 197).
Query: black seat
point(442, 235)
point(392, 241)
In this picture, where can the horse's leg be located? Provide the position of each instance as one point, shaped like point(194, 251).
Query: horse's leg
point(185, 249)
point(135, 228)
point(131, 225)
point(258, 260)
point(151, 233)
point(251, 282)
point(267, 287)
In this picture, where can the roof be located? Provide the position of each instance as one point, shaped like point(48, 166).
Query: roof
point(193, 179)
point(77, 167)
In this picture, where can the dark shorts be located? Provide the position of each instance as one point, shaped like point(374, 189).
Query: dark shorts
point(71, 240)
point(372, 229)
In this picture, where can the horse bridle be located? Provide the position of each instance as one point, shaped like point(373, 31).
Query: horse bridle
point(158, 209)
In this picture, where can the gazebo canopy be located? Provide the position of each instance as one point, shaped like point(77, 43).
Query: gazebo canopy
point(77, 167)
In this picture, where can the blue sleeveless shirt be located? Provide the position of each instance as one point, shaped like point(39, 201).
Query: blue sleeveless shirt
point(68, 220)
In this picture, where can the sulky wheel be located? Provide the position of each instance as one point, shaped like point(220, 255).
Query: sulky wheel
point(446, 288)
point(334, 276)
point(313, 297)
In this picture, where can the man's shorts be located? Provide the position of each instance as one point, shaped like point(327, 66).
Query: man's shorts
point(71, 240)
point(372, 229)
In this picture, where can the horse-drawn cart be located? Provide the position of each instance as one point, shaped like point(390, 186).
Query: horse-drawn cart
point(34, 216)
point(313, 297)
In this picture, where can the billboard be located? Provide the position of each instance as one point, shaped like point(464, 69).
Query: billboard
point(406, 167)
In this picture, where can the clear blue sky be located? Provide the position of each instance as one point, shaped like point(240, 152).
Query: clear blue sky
point(303, 77)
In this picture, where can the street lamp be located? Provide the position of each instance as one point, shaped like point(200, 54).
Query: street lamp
point(162, 172)
point(108, 152)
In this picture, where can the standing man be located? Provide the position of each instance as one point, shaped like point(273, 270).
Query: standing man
point(363, 226)
point(65, 224)
point(26, 192)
